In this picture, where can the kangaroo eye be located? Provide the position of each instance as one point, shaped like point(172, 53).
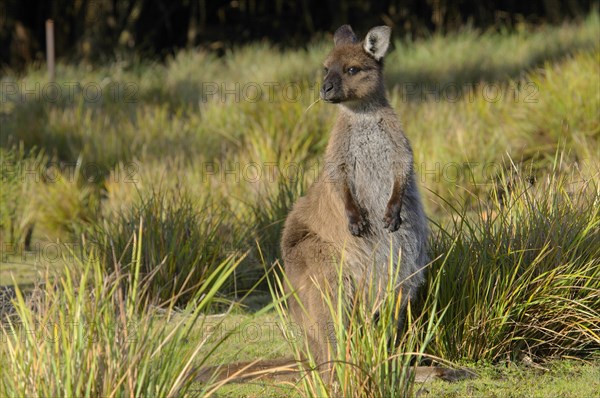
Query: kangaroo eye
point(353, 70)
point(325, 70)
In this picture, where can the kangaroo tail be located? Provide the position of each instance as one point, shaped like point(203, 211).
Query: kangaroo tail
point(289, 369)
point(426, 373)
point(283, 369)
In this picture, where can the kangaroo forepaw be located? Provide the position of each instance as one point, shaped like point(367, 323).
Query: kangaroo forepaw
point(357, 225)
point(392, 219)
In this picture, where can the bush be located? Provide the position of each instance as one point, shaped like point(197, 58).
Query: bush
point(91, 334)
point(17, 207)
point(183, 243)
point(522, 275)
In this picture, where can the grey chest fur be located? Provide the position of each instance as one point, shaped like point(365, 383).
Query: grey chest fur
point(371, 155)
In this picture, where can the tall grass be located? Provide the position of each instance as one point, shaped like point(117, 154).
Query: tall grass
point(38, 190)
point(522, 275)
point(433, 63)
point(92, 333)
point(17, 207)
point(184, 243)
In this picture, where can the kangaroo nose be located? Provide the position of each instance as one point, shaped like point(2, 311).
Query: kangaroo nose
point(327, 87)
point(330, 88)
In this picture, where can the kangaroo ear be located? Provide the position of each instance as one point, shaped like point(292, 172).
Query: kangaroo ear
point(377, 41)
point(344, 35)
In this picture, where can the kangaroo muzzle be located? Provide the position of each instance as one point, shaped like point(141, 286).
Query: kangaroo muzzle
point(331, 88)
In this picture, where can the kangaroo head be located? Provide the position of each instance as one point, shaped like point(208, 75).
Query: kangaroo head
point(354, 69)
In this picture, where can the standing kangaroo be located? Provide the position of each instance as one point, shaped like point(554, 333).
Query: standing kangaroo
point(365, 201)
point(364, 207)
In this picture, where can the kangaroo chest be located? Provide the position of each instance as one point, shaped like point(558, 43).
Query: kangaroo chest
point(370, 171)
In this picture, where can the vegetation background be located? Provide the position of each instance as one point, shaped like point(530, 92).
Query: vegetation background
point(96, 30)
point(144, 189)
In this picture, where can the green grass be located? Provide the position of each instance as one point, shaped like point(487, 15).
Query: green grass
point(521, 276)
point(181, 248)
point(92, 333)
point(566, 378)
point(509, 170)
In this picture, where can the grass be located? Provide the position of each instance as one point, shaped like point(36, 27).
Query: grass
point(524, 275)
point(564, 378)
point(180, 250)
point(505, 132)
point(92, 333)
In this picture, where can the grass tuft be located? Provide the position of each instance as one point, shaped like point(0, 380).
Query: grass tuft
point(92, 333)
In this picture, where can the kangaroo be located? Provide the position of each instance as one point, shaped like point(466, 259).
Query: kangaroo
point(366, 200)
point(364, 207)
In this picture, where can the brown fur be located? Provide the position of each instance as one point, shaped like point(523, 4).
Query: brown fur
point(290, 370)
